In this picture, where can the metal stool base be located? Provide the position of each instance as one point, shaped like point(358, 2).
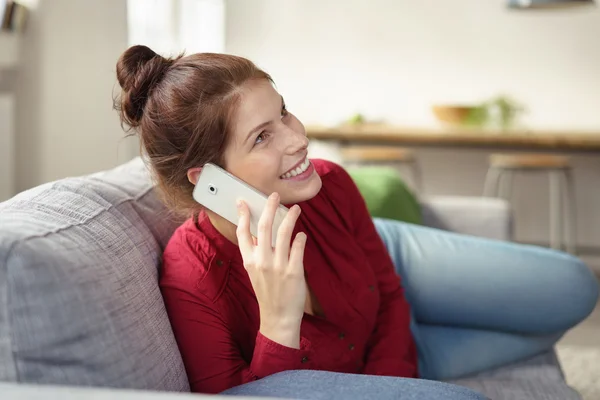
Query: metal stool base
point(498, 183)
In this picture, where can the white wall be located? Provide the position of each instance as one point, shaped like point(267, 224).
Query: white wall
point(65, 122)
point(393, 59)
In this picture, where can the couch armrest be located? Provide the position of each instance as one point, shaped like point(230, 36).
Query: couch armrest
point(478, 216)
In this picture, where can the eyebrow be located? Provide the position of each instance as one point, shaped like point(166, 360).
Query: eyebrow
point(261, 126)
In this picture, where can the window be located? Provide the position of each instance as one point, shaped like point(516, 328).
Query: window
point(172, 26)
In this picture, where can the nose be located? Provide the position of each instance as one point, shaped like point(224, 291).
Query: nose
point(296, 140)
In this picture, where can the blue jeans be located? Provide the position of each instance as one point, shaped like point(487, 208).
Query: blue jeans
point(479, 303)
point(324, 385)
point(476, 304)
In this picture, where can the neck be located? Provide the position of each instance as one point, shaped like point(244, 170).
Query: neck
point(224, 227)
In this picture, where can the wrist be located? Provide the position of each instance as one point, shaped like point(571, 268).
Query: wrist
point(283, 334)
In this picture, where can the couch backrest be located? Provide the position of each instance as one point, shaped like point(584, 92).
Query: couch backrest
point(79, 300)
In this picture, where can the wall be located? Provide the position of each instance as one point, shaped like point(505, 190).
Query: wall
point(394, 59)
point(7, 129)
point(65, 122)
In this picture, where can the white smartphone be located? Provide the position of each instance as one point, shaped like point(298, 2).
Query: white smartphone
point(218, 190)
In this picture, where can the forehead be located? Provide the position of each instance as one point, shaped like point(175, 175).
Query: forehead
point(259, 102)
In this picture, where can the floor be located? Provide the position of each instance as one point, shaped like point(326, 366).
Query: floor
point(579, 351)
point(587, 333)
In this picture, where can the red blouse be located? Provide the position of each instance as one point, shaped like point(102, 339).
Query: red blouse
point(215, 315)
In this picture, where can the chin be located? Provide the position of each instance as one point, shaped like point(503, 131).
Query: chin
point(293, 192)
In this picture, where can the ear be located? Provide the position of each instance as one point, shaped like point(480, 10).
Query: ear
point(192, 174)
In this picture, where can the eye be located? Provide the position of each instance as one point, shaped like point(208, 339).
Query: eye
point(284, 111)
point(261, 138)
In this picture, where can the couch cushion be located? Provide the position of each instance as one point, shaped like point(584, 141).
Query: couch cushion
point(79, 300)
point(539, 378)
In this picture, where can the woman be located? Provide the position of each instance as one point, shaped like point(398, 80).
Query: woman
point(327, 297)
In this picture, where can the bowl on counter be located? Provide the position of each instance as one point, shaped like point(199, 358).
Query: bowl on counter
point(453, 114)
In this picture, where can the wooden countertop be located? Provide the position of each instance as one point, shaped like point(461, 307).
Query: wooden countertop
point(460, 137)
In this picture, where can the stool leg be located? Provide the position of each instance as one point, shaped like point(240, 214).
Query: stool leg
point(555, 210)
point(491, 182)
point(416, 175)
point(570, 212)
point(505, 184)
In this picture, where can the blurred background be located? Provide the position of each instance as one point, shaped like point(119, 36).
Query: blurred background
point(336, 62)
point(451, 82)
point(384, 61)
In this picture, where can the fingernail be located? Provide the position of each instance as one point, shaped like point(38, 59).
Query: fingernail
point(275, 196)
point(239, 203)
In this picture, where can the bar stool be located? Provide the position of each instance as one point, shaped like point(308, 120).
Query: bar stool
point(396, 157)
point(561, 196)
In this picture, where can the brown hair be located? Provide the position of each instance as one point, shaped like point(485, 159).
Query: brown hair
point(181, 108)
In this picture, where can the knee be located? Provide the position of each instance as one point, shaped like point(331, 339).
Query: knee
point(580, 288)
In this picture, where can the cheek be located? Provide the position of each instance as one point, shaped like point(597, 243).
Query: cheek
point(259, 171)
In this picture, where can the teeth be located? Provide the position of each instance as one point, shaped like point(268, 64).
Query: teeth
point(300, 169)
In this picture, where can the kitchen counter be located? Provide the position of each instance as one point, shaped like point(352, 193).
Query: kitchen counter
point(567, 141)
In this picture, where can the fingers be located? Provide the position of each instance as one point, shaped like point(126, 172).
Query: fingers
point(243, 232)
point(297, 251)
point(265, 225)
point(261, 253)
point(284, 235)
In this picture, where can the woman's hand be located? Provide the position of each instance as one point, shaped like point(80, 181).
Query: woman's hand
point(277, 275)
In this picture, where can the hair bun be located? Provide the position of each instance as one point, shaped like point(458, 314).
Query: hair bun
point(139, 70)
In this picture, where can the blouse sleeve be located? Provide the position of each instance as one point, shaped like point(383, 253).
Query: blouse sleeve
point(212, 358)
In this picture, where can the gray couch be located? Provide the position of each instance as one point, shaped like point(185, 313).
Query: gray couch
point(80, 305)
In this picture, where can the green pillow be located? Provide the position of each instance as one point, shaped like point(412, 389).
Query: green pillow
point(386, 194)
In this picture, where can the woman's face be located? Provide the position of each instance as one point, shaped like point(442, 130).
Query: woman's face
point(268, 146)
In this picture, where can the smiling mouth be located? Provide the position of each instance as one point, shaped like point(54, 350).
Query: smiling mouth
point(297, 170)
